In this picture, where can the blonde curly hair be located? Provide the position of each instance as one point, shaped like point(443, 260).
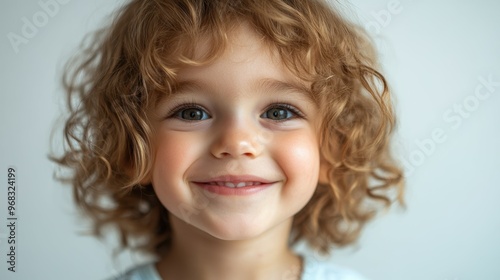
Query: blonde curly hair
point(131, 63)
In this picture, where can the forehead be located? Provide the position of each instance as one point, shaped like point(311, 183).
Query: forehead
point(247, 61)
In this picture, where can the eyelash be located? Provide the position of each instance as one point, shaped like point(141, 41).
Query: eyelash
point(296, 112)
point(191, 105)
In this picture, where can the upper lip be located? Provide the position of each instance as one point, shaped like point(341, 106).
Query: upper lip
point(235, 179)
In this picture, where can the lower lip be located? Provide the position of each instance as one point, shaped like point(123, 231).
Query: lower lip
point(248, 190)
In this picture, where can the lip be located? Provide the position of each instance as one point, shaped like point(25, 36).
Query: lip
point(216, 184)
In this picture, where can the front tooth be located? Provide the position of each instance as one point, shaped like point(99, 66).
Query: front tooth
point(231, 185)
point(241, 184)
point(220, 184)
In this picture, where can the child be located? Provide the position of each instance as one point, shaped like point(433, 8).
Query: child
point(217, 134)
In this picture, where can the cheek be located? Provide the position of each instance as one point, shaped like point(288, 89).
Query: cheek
point(298, 157)
point(174, 154)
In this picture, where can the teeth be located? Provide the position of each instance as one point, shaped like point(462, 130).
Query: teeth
point(233, 185)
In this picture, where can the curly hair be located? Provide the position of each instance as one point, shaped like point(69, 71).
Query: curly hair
point(133, 61)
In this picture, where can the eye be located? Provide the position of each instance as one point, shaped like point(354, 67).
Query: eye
point(190, 112)
point(280, 112)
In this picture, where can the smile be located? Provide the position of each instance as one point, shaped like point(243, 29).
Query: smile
point(234, 184)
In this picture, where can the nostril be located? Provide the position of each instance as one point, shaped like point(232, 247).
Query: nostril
point(225, 154)
point(236, 143)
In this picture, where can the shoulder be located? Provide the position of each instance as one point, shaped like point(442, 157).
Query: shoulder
point(141, 272)
point(316, 269)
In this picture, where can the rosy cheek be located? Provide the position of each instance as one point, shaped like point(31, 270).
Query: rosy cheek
point(298, 157)
point(176, 149)
point(169, 152)
point(174, 153)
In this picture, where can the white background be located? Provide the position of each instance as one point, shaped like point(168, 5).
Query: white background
point(433, 53)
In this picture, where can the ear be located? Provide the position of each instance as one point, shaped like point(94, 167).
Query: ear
point(146, 181)
point(324, 166)
point(130, 171)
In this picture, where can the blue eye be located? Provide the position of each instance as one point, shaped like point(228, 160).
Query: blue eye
point(281, 112)
point(191, 113)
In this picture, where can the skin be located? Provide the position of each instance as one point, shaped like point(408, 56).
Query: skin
point(231, 130)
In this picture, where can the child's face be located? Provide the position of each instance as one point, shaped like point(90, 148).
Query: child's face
point(243, 119)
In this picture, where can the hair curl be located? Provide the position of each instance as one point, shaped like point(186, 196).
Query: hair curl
point(131, 62)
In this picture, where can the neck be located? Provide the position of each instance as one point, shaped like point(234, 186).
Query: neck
point(194, 254)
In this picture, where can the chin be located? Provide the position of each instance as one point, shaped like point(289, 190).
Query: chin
point(238, 230)
point(235, 236)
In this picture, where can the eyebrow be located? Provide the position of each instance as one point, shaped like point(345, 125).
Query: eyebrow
point(267, 84)
point(277, 85)
point(184, 86)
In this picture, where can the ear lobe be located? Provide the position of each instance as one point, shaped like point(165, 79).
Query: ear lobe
point(146, 181)
point(323, 172)
point(130, 171)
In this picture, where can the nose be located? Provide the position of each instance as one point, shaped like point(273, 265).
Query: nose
point(237, 140)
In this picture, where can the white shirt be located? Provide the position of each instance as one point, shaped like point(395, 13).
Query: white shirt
point(314, 269)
